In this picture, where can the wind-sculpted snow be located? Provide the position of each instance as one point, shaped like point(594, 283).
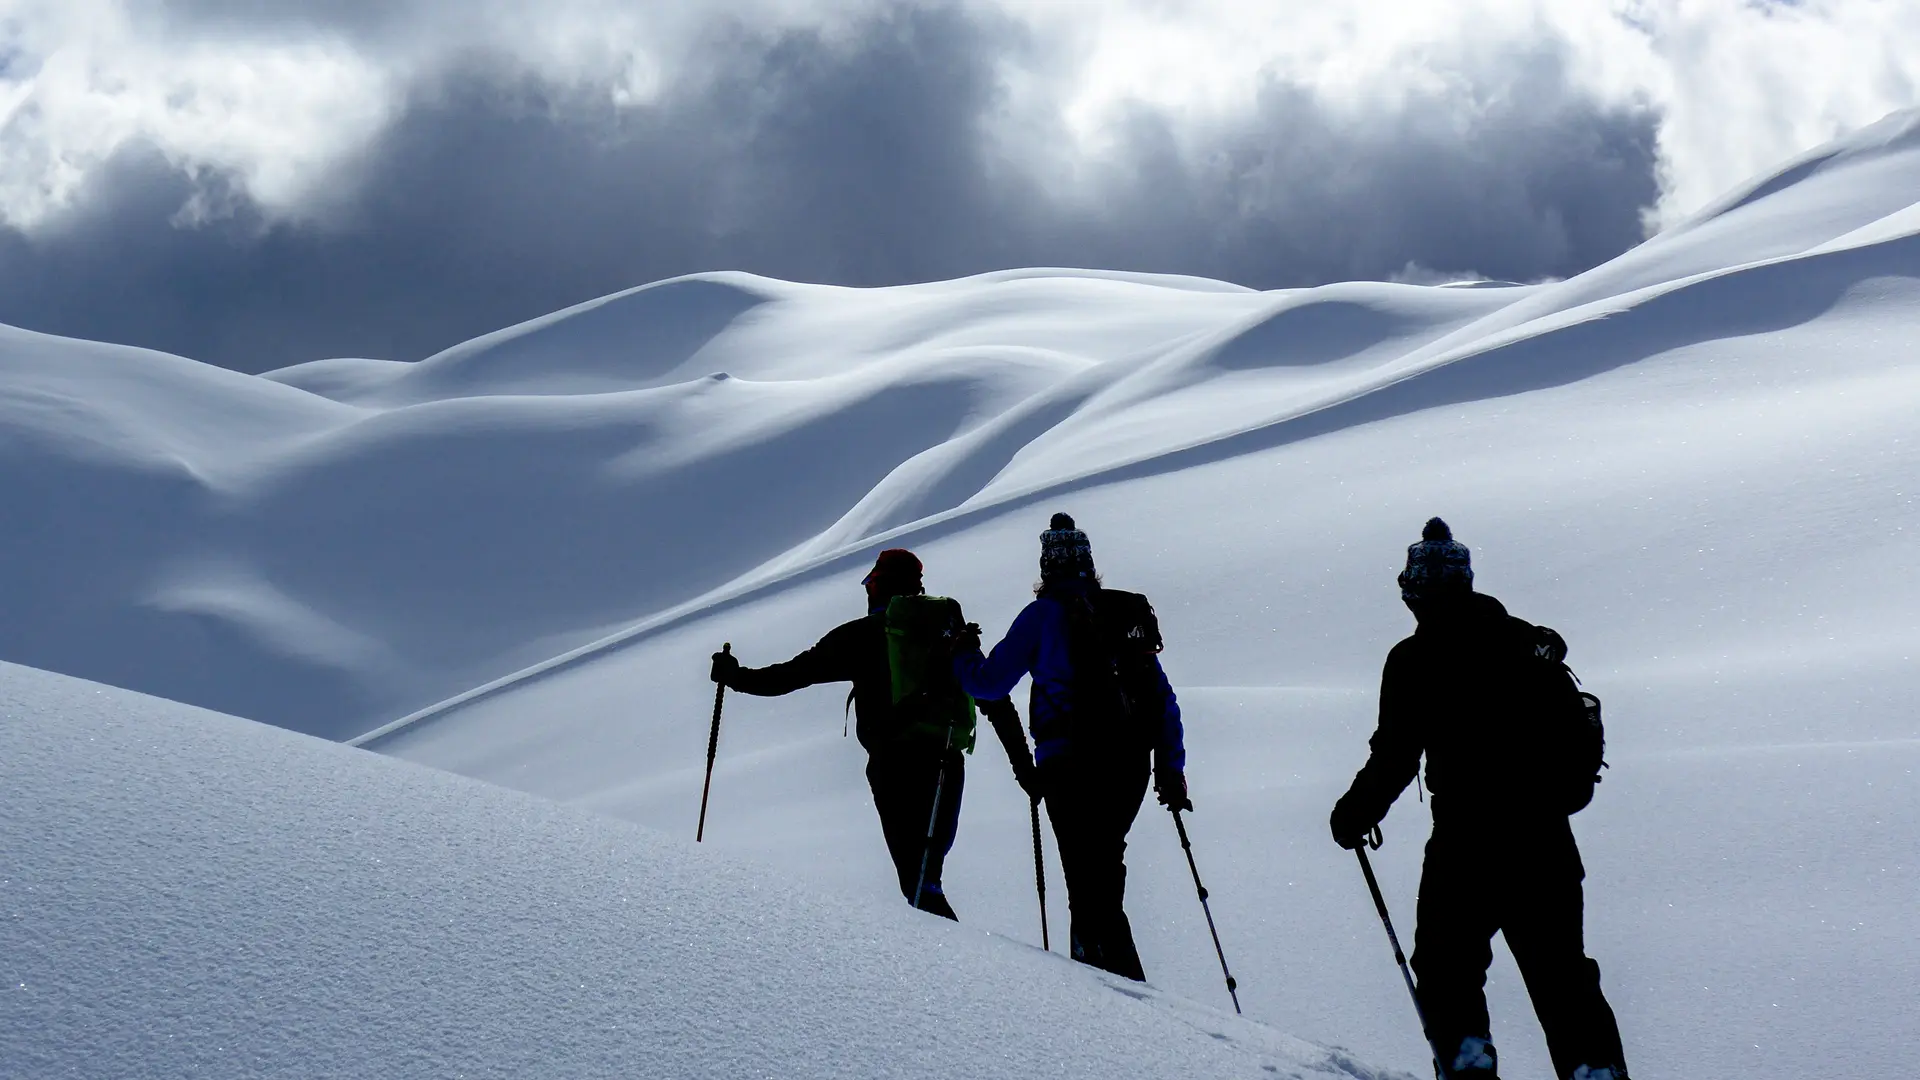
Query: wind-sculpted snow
point(1697, 462)
point(336, 544)
point(186, 894)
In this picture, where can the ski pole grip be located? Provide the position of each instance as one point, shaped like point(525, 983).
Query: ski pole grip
point(713, 749)
point(713, 735)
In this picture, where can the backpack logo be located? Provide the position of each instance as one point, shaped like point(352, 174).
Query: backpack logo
point(1576, 738)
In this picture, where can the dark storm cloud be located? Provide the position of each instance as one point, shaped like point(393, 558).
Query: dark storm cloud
point(867, 160)
point(1533, 180)
point(369, 22)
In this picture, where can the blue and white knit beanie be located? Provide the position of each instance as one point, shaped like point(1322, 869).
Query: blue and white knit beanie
point(1065, 554)
point(1437, 563)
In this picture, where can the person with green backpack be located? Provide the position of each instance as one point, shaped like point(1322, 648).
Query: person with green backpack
point(911, 716)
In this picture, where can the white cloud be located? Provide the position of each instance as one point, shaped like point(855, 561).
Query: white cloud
point(83, 80)
point(1740, 85)
point(1745, 85)
point(277, 97)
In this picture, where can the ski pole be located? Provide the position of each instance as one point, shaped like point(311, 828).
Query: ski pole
point(1380, 905)
point(1040, 877)
point(933, 820)
point(1233, 988)
point(713, 745)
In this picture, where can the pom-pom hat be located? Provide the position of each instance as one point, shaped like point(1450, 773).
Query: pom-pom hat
point(1437, 564)
point(1065, 554)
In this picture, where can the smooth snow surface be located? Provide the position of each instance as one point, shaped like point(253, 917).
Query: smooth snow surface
point(187, 894)
point(342, 542)
point(1697, 461)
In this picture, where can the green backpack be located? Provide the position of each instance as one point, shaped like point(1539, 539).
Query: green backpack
point(927, 699)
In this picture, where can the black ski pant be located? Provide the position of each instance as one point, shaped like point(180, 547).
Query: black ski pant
point(1481, 879)
point(1092, 802)
point(903, 782)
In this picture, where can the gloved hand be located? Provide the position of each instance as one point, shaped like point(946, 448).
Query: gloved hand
point(1027, 775)
point(1350, 828)
point(968, 639)
point(1170, 787)
point(1006, 724)
point(724, 666)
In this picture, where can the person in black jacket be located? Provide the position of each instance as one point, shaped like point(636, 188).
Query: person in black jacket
point(903, 764)
point(1463, 690)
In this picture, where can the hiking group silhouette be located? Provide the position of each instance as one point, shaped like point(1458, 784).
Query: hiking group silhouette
point(1513, 747)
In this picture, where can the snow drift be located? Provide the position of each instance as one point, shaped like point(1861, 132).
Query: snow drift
point(183, 893)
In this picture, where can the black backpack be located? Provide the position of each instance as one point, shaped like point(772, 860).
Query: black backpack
point(1112, 637)
point(1574, 741)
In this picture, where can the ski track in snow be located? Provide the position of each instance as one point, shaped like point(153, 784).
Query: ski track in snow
point(1697, 461)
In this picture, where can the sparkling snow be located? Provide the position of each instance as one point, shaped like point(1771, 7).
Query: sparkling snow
point(188, 894)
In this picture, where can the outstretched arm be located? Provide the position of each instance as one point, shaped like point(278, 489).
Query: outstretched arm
point(988, 678)
point(828, 661)
point(1397, 744)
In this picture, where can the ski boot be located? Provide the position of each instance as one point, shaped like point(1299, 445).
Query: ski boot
point(1477, 1060)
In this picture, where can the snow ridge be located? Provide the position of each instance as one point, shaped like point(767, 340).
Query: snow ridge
point(342, 542)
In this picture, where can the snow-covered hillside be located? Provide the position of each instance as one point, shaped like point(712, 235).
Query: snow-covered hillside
point(1697, 461)
point(342, 542)
point(187, 894)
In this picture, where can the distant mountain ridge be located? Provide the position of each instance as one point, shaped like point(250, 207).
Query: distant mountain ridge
point(330, 546)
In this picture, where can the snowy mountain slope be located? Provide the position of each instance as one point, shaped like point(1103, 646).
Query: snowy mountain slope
point(341, 542)
point(1743, 609)
point(189, 894)
point(1698, 462)
point(330, 570)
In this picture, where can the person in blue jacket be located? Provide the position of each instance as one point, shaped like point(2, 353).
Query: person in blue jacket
point(1102, 712)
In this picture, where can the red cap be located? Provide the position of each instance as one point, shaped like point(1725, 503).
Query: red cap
point(894, 564)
